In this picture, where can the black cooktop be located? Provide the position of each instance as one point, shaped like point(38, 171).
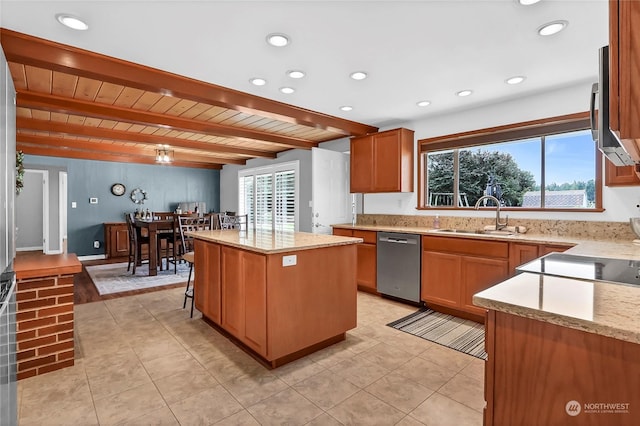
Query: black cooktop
point(586, 267)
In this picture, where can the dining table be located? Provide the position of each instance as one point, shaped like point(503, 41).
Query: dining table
point(153, 226)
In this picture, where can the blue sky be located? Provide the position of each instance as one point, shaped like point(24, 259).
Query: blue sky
point(569, 157)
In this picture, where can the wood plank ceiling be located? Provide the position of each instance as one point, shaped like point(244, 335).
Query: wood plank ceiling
point(78, 104)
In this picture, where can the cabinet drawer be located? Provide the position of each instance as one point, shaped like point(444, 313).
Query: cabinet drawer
point(369, 237)
point(466, 246)
point(343, 232)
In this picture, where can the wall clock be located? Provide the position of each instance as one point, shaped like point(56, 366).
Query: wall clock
point(118, 189)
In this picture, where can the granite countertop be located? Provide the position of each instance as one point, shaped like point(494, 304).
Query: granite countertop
point(598, 307)
point(269, 242)
point(613, 249)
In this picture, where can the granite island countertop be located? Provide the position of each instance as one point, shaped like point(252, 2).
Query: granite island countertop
point(599, 307)
point(270, 242)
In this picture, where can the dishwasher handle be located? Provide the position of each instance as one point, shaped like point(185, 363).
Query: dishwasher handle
point(396, 240)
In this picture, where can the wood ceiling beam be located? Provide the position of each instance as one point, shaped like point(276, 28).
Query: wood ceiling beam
point(86, 155)
point(53, 103)
point(57, 142)
point(38, 52)
point(121, 135)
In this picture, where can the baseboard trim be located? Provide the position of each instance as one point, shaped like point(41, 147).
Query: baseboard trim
point(92, 257)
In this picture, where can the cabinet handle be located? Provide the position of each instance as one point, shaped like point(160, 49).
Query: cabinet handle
point(592, 112)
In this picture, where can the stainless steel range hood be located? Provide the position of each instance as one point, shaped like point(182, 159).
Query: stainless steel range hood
point(608, 142)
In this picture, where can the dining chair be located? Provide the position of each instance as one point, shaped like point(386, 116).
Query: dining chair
point(166, 238)
point(136, 241)
point(233, 221)
point(188, 224)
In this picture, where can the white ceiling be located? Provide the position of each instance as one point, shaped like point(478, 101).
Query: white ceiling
point(412, 50)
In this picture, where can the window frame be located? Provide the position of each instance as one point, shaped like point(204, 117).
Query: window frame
point(507, 133)
point(272, 170)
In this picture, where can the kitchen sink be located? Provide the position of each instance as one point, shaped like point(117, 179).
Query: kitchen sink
point(477, 232)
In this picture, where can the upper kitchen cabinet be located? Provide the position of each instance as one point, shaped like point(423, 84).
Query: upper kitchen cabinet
point(624, 68)
point(382, 162)
point(620, 175)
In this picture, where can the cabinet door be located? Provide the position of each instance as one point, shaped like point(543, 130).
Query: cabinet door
point(366, 271)
point(441, 278)
point(232, 290)
point(207, 279)
point(624, 94)
point(478, 274)
point(386, 166)
point(361, 164)
point(254, 268)
point(520, 254)
point(620, 176)
point(244, 297)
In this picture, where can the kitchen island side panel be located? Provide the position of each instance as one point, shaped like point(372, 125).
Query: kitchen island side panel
point(311, 301)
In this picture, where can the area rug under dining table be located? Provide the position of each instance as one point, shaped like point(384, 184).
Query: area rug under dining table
point(114, 277)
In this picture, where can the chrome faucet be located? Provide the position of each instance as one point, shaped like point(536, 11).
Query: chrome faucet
point(499, 225)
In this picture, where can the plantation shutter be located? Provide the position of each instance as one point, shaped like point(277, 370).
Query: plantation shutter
point(285, 200)
point(269, 196)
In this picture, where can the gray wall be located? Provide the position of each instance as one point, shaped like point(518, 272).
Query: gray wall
point(165, 186)
point(229, 183)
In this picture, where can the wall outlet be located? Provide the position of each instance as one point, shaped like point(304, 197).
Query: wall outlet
point(74, 204)
point(290, 260)
point(93, 200)
point(96, 244)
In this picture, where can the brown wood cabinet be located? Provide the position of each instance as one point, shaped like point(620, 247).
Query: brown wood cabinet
point(382, 162)
point(454, 269)
point(244, 297)
point(116, 240)
point(366, 275)
point(521, 253)
point(207, 280)
point(534, 369)
point(620, 175)
point(624, 68)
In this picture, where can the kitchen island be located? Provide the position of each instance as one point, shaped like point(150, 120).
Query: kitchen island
point(282, 295)
point(561, 351)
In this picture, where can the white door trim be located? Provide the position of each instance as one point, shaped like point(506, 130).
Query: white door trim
point(62, 201)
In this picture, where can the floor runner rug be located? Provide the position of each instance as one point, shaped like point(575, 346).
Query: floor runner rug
point(114, 277)
point(456, 333)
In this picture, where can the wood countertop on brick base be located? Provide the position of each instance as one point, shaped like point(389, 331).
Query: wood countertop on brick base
point(39, 265)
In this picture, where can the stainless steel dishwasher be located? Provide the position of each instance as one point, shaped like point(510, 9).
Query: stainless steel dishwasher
point(398, 260)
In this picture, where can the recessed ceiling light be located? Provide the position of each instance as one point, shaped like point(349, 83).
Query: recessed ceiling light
point(527, 2)
point(258, 81)
point(287, 90)
point(296, 74)
point(278, 39)
point(72, 22)
point(552, 28)
point(515, 80)
point(358, 75)
point(464, 93)
point(423, 103)
point(346, 108)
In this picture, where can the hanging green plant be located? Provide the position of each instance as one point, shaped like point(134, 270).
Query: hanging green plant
point(19, 171)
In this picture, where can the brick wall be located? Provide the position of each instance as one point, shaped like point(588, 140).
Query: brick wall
point(44, 325)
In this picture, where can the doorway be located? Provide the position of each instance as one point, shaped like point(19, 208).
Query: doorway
point(32, 212)
point(330, 197)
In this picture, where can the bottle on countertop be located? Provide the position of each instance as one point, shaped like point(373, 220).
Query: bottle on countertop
point(137, 214)
point(436, 222)
point(148, 215)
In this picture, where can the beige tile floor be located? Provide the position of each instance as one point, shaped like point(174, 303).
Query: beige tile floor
point(141, 360)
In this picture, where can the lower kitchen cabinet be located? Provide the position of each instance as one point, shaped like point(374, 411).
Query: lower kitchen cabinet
point(521, 253)
point(367, 263)
point(244, 297)
point(207, 280)
point(454, 269)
